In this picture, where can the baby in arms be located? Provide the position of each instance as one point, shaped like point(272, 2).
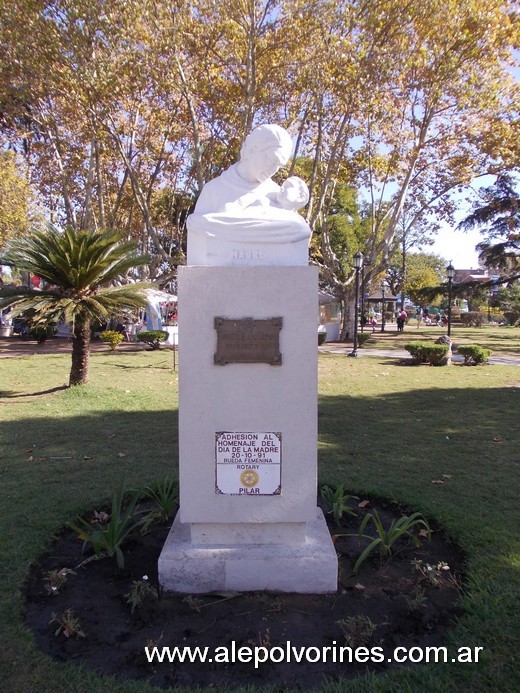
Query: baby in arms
point(293, 194)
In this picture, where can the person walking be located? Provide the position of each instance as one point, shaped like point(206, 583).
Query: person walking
point(401, 321)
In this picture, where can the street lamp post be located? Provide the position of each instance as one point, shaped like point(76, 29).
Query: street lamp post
point(358, 264)
point(450, 273)
point(383, 322)
point(363, 298)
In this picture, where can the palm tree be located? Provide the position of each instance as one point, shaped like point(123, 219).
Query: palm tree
point(81, 270)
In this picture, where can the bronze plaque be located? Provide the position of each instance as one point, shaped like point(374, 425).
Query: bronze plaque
point(247, 340)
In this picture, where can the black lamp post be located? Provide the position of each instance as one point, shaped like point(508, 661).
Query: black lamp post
point(363, 298)
point(383, 322)
point(450, 273)
point(358, 264)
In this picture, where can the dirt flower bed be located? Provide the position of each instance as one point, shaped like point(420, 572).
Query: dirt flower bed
point(409, 600)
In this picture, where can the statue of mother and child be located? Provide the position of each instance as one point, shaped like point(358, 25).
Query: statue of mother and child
point(243, 217)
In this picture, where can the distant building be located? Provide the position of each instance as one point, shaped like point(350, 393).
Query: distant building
point(462, 276)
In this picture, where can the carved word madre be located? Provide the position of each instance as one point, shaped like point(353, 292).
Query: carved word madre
point(245, 255)
point(248, 463)
point(247, 340)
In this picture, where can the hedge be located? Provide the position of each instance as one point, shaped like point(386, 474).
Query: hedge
point(427, 352)
point(152, 337)
point(474, 354)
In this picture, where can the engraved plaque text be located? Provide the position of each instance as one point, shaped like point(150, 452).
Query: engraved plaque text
point(247, 340)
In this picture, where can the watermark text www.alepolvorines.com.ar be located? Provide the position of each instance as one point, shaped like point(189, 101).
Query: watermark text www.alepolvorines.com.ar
point(257, 655)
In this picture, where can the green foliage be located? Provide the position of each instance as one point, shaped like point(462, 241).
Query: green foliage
point(426, 352)
point(165, 497)
point(42, 332)
point(108, 537)
point(68, 624)
point(15, 197)
point(140, 592)
point(386, 538)
point(474, 354)
point(363, 338)
point(508, 298)
point(112, 338)
point(357, 630)
point(473, 318)
point(337, 500)
point(83, 272)
point(497, 215)
point(422, 270)
point(512, 317)
point(152, 337)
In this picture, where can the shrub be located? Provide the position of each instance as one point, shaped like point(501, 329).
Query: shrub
point(512, 317)
point(363, 338)
point(473, 319)
point(417, 351)
point(474, 354)
point(427, 352)
point(152, 337)
point(437, 354)
point(42, 332)
point(112, 338)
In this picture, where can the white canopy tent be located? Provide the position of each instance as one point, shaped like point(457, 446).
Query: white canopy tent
point(154, 318)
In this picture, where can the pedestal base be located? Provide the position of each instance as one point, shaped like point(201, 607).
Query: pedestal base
point(310, 567)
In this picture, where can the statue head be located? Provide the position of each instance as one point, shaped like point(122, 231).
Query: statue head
point(264, 151)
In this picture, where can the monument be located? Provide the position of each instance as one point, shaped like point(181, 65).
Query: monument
point(248, 315)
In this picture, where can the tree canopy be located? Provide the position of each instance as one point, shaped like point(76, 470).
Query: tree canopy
point(497, 216)
point(117, 104)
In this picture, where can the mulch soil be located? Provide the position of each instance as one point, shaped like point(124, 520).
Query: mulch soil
point(387, 604)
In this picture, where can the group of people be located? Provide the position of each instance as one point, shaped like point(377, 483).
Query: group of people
point(423, 315)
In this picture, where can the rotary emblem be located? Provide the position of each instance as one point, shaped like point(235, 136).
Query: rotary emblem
point(249, 478)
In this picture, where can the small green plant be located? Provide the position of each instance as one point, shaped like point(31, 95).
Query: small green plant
point(56, 579)
point(165, 498)
point(386, 538)
point(107, 538)
point(153, 338)
point(357, 630)
point(194, 603)
point(337, 499)
point(474, 354)
point(416, 600)
point(68, 624)
point(141, 592)
point(433, 573)
point(112, 338)
point(363, 338)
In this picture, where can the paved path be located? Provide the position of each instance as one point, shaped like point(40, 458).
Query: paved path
point(15, 346)
point(341, 348)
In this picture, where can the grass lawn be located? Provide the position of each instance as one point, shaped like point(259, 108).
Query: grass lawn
point(505, 340)
point(385, 429)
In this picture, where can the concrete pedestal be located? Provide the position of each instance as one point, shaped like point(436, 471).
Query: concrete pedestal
point(248, 441)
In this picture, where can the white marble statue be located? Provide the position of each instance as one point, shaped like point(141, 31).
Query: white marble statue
point(243, 217)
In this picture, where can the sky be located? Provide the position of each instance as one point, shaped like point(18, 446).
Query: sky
point(456, 246)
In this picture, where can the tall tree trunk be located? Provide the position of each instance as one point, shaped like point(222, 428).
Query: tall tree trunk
point(80, 353)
